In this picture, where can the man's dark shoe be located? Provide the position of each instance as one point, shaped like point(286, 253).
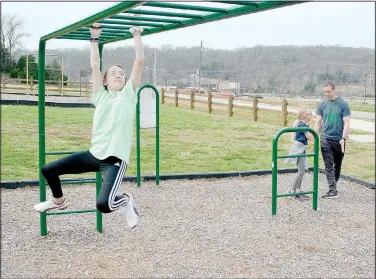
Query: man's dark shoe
point(332, 194)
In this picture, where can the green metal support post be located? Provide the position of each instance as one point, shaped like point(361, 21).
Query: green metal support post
point(275, 156)
point(138, 140)
point(43, 153)
point(98, 213)
point(42, 131)
point(98, 175)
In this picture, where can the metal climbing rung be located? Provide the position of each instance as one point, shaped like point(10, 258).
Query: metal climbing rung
point(71, 211)
point(61, 152)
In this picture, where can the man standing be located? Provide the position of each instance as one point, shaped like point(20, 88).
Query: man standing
point(333, 118)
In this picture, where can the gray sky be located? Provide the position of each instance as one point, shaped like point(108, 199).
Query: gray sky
point(327, 23)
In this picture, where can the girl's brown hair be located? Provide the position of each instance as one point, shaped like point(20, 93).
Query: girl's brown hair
point(105, 73)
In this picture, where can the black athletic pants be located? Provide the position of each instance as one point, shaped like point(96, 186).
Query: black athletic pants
point(332, 156)
point(112, 170)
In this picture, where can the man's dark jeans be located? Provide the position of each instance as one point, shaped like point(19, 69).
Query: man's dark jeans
point(332, 156)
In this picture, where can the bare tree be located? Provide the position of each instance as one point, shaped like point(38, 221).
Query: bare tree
point(12, 33)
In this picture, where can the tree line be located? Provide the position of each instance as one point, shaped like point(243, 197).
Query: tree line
point(260, 68)
point(13, 61)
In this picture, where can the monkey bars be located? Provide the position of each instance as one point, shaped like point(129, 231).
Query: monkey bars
point(154, 17)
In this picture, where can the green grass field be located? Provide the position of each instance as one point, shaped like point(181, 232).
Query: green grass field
point(358, 106)
point(191, 142)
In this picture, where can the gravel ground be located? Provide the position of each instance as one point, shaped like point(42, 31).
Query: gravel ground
point(217, 228)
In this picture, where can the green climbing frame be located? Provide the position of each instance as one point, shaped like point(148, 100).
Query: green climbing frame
point(154, 17)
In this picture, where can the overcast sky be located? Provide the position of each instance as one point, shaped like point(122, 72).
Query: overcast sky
point(327, 23)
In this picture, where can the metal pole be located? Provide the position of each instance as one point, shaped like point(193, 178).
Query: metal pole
point(155, 68)
point(27, 73)
point(80, 83)
point(274, 177)
point(365, 84)
point(199, 71)
point(98, 175)
point(98, 183)
point(138, 141)
point(315, 172)
point(62, 74)
point(100, 56)
point(194, 82)
point(157, 137)
point(42, 131)
point(138, 144)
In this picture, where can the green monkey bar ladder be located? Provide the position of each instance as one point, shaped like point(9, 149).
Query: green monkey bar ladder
point(154, 17)
point(275, 157)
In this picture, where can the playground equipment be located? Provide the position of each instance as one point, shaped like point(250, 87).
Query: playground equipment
point(315, 155)
point(115, 22)
point(61, 69)
point(138, 137)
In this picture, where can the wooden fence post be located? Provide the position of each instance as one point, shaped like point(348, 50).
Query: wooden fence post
point(230, 106)
point(255, 108)
point(31, 84)
point(210, 102)
point(284, 112)
point(176, 98)
point(163, 95)
point(192, 99)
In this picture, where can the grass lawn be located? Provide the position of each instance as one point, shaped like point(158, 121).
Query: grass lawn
point(358, 106)
point(191, 141)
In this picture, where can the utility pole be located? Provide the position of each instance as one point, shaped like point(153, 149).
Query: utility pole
point(27, 71)
point(365, 83)
point(199, 70)
point(155, 68)
point(371, 86)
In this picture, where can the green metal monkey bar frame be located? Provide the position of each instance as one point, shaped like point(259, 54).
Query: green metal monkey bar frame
point(275, 158)
point(154, 17)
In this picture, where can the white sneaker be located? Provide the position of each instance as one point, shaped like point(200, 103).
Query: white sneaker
point(130, 212)
point(136, 30)
point(49, 206)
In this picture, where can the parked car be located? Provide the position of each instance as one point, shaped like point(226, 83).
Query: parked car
point(226, 94)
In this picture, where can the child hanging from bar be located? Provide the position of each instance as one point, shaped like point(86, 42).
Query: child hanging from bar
point(299, 146)
point(115, 98)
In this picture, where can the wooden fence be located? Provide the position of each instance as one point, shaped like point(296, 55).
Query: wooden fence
point(249, 109)
point(51, 86)
point(178, 98)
